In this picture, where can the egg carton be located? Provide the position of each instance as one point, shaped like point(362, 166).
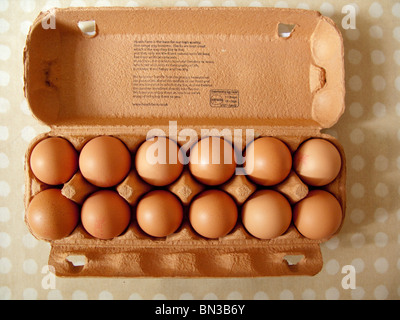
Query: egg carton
point(189, 254)
point(295, 90)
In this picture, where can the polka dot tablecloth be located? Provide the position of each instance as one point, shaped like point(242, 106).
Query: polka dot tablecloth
point(369, 130)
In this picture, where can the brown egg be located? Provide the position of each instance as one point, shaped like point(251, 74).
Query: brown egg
point(105, 161)
point(51, 216)
point(318, 216)
point(213, 214)
point(317, 162)
point(54, 161)
point(266, 214)
point(212, 161)
point(268, 161)
point(159, 161)
point(105, 214)
point(159, 213)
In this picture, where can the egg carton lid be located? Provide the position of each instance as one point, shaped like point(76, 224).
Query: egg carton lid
point(211, 66)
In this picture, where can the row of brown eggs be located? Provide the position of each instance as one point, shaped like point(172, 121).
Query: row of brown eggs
point(105, 161)
point(212, 214)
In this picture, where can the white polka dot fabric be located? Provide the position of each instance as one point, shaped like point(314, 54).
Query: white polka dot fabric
point(369, 130)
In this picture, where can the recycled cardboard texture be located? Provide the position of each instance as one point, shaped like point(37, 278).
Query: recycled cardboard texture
point(66, 85)
point(245, 76)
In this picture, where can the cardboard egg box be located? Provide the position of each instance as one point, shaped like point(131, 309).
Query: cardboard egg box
point(126, 71)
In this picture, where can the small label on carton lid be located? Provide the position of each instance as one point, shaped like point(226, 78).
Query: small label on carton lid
point(224, 98)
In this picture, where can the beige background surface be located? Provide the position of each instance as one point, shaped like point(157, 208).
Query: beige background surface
point(369, 131)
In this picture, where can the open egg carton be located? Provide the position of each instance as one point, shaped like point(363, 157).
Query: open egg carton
point(291, 85)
